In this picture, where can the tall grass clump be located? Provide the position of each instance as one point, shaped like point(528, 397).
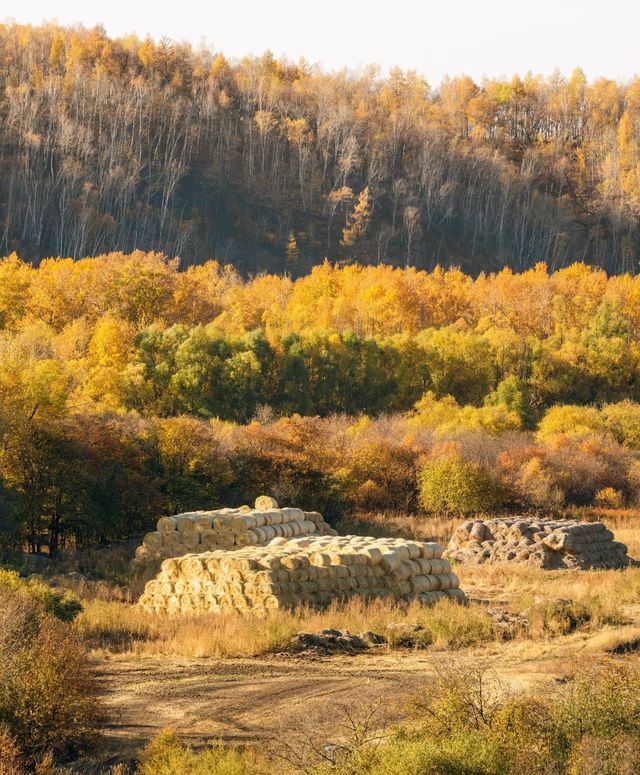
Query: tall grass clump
point(110, 627)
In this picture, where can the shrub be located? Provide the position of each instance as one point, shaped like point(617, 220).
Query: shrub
point(557, 617)
point(166, 756)
point(63, 605)
point(381, 474)
point(623, 421)
point(609, 498)
point(572, 421)
point(11, 761)
point(446, 416)
point(469, 723)
point(583, 466)
point(537, 485)
point(619, 755)
point(47, 694)
point(601, 700)
point(452, 485)
point(469, 754)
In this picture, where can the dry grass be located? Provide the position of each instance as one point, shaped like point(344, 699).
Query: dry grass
point(616, 641)
point(417, 527)
point(113, 627)
point(593, 600)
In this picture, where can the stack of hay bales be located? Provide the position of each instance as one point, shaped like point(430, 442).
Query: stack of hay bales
point(544, 543)
point(206, 531)
point(308, 571)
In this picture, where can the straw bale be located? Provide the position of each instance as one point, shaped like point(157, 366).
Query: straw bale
point(546, 543)
point(264, 502)
point(287, 573)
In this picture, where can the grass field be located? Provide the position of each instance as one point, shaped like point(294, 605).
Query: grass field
point(231, 678)
point(505, 603)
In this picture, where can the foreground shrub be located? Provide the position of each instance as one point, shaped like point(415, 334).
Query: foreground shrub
point(47, 694)
point(470, 754)
point(449, 484)
point(619, 755)
point(601, 700)
point(466, 722)
point(61, 604)
point(11, 761)
point(166, 756)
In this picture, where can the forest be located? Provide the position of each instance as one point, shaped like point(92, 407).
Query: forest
point(122, 144)
point(131, 388)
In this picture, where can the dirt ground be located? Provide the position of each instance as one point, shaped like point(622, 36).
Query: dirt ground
point(246, 701)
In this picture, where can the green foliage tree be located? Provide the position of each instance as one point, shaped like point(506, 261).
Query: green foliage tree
point(448, 484)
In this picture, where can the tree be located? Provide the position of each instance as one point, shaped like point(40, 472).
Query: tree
point(448, 484)
point(358, 220)
point(293, 253)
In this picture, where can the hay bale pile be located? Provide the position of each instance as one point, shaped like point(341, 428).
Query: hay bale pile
point(312, 571)
point(206, 531)
point(544, 543)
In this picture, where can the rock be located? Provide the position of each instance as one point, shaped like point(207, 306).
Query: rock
point(372, 638)
point(327, 642)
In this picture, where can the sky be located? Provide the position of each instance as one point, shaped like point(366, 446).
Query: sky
point(480, 38)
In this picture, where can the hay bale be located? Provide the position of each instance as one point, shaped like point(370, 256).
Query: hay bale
point(229, 528)
point(301, 571)
point(153, 541)
point(264, 502)
point(545, 543)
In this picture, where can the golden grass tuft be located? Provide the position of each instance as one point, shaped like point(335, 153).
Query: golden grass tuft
point(113, 627)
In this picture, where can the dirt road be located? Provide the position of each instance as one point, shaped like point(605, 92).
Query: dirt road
point(247, 700)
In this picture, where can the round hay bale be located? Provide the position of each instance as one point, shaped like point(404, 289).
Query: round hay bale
point(265, 502)
point(171, 539)
point(191, 539)
point(166, 524)
point(153, 541)
point(226, 538)
point(247, 538)
point(203, 524)
point(185, 523)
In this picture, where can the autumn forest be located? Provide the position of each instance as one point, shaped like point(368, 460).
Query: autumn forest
point(123, 144)
point(225, 278)
point(131, 388)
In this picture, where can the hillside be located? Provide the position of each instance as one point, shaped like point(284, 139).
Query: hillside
point(116, 145)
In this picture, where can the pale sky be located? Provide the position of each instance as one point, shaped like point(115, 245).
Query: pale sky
point(477, 37)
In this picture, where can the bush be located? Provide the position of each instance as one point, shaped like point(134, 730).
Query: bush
point(572, 421)
point(459, 755)
point(537, 486)
point(47, 693)
point(468, 722)
point(63, 605)
point(623, 421)
point(619, 755)
point(11, 761)
point(557, 617)
point(166, 756)
point(609, 498)
point(601, 701)
point(451, 485)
